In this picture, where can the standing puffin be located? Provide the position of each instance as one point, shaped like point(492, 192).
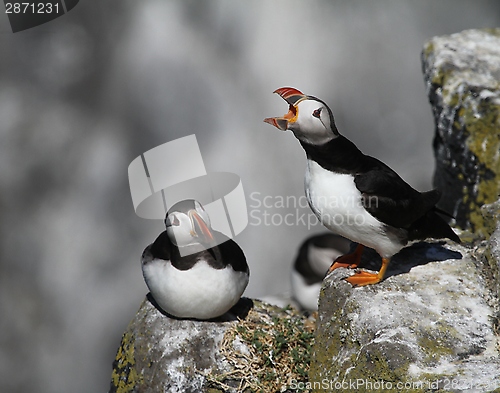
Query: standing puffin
point(355, 195)
point(189, 276)
point(313, 260)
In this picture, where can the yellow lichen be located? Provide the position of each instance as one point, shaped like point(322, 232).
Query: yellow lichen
point(483, 127)
point(124, 377)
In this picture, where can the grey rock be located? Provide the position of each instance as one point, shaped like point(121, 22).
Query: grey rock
point(462, 74)
point(493, 258)
point(159, 353)
point(491, 217)
point(255, 346)
point(491, 213)
point(430, 322)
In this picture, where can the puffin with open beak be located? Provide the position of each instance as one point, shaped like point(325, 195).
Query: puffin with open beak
point(355, 195)
point(191, 270)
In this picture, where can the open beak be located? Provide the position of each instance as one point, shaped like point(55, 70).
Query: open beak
point(200, 225)
point(293, 97)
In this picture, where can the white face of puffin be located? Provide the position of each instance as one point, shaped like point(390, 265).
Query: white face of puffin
point(312, 122)
point(189, 228)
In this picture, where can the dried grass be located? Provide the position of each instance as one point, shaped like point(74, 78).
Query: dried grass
point(267, 351)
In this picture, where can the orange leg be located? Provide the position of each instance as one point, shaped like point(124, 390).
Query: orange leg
point(364, 278)
point(350, 261)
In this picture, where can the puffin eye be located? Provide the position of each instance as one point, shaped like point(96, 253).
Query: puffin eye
point(317, 112)
point(172, 221)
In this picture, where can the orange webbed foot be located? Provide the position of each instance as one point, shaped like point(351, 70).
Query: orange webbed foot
point(361, 278)
point(350, 261)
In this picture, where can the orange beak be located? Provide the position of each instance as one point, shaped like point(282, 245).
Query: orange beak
point(205, 230)
point(293, 97)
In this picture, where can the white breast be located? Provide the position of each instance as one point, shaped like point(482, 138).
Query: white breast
point(201, 292)
point(336, 202)
point(320, 259)
point(305, 294)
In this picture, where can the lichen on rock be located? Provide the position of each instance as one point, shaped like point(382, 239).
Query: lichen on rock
point(124, 376)
point(462, 74)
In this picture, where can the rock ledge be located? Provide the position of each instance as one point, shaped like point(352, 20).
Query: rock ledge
point(431, 324)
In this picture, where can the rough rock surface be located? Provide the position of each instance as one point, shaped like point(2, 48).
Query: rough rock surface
point(162, 354)
point(462, 73)
point(491, 213)
point(431, 321)
point(267, 348)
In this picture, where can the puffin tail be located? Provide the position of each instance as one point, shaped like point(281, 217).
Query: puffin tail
point(431, 225)
point(440, 211)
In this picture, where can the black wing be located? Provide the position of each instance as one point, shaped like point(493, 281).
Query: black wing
point(233, 254)
point(389, 198)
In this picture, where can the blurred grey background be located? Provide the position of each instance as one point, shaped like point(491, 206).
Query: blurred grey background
point(84, 95)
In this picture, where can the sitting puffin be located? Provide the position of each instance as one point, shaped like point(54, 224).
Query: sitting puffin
point(355, 195)
point(313, 260)
point(189, 276)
